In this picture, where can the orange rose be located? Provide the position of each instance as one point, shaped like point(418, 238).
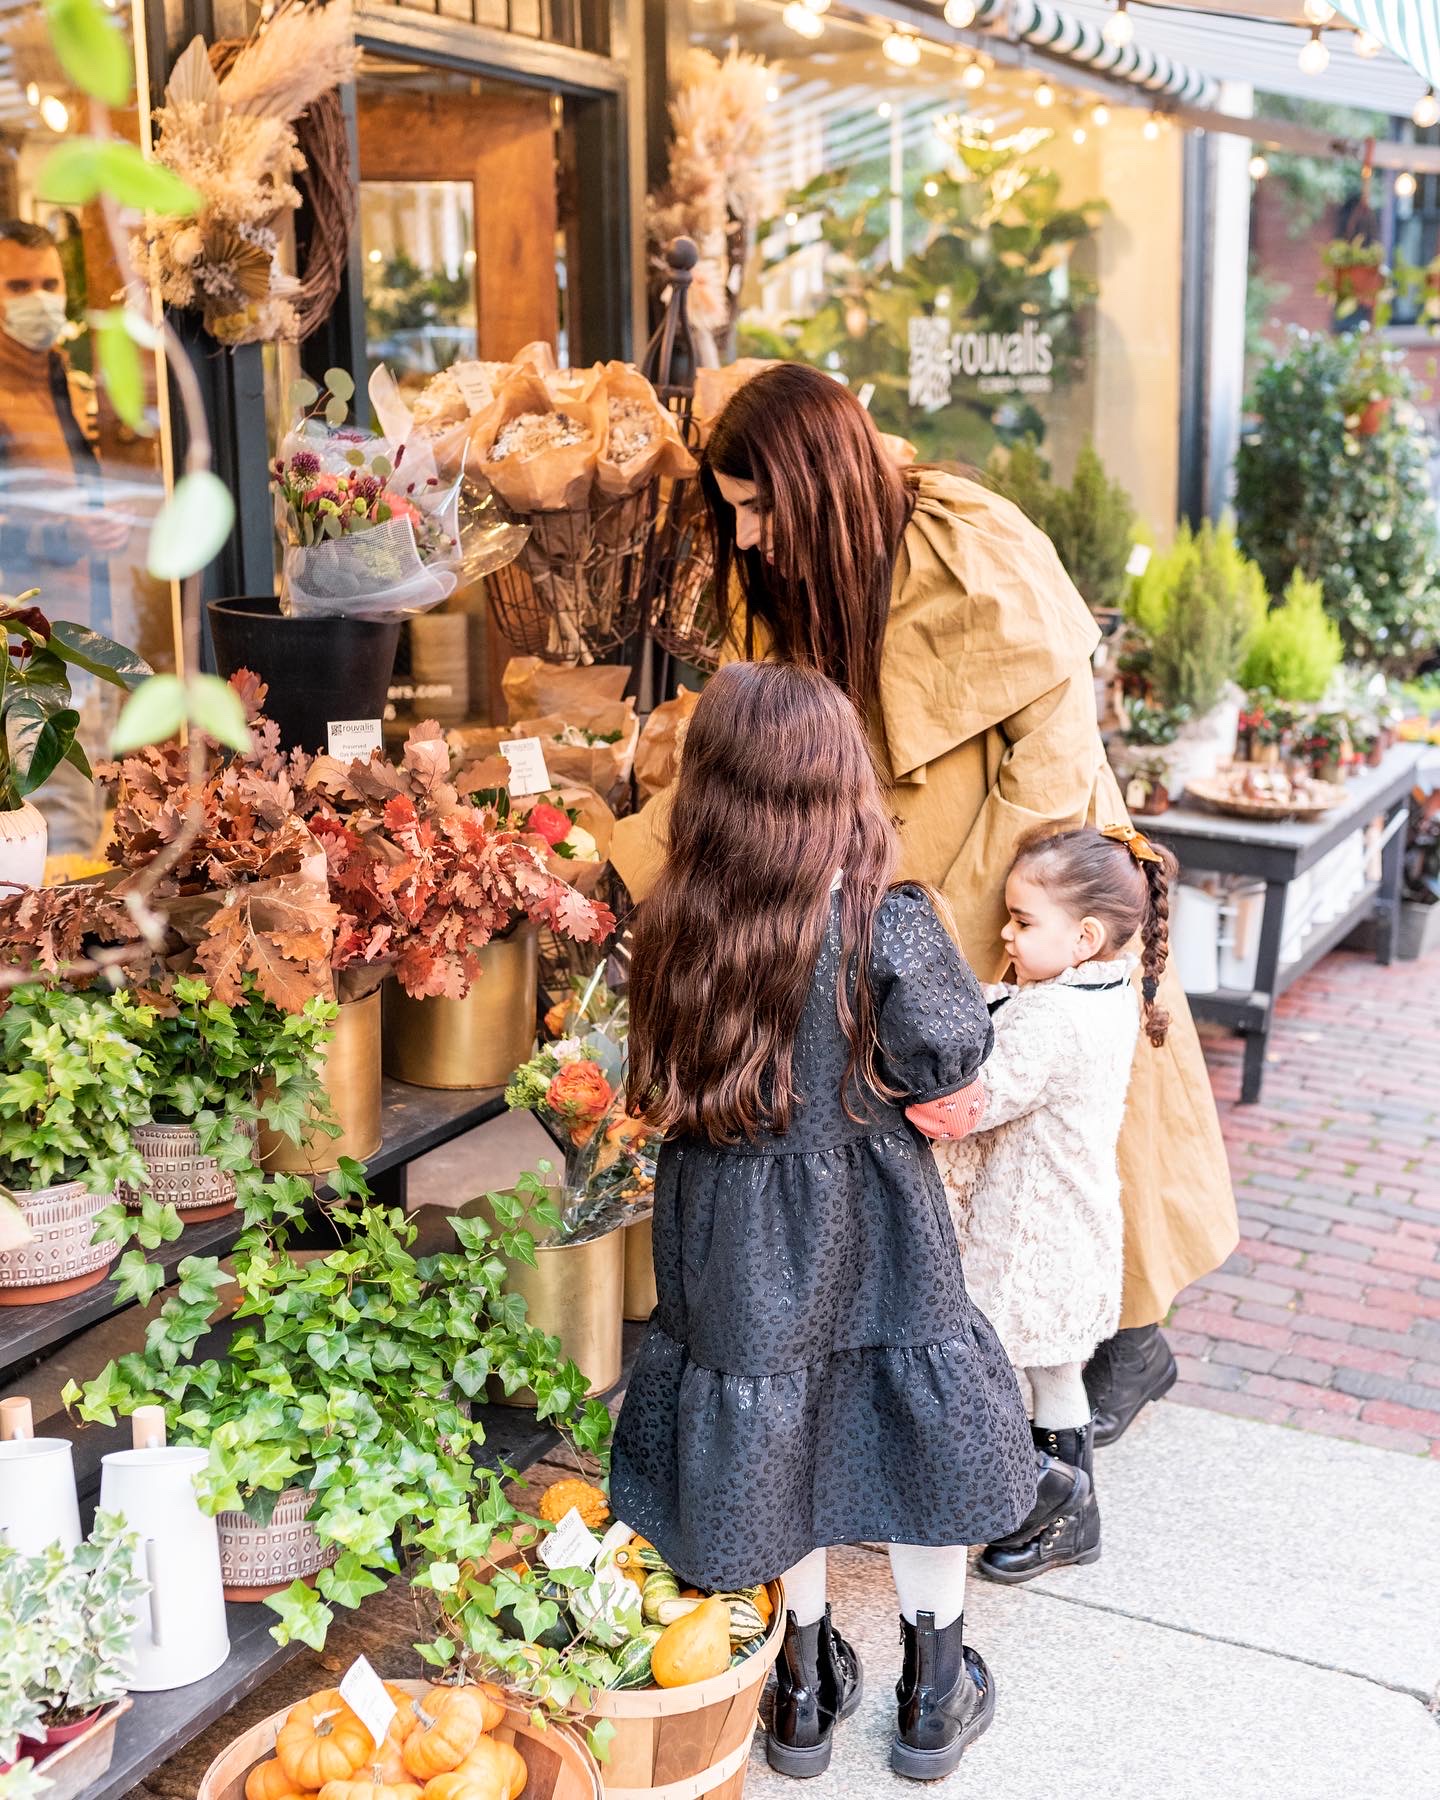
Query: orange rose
point(579, 1095)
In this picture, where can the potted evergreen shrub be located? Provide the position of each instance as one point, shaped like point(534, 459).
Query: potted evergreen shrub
point(1143, 759)
point(1091, 523)
point(38, 723)
point(75, 1083)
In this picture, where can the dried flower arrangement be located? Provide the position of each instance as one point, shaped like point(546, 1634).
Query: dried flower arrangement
point(719, 128)
point(234, 140)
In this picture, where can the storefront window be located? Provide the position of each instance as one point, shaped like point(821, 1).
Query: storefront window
point(78, 489)
point(982, 253)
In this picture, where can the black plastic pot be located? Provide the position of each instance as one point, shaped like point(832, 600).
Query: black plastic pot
point(318, 671)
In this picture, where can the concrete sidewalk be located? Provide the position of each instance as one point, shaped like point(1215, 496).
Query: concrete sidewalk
point(1264, 1625)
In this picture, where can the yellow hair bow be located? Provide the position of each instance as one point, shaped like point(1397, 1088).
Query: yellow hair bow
point(1134, 841)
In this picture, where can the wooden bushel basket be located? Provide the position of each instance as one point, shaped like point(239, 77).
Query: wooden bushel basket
point(560, 1766)
point(682, 1743)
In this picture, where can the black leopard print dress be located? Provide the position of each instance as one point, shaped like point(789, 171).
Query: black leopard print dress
point(815, 1372)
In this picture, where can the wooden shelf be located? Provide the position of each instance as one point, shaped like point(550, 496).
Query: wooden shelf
point(416, 1120)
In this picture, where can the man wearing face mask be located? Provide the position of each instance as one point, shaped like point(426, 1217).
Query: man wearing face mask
point(53, 535)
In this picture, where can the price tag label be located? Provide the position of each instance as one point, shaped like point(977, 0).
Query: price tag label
point(474, 386)
point(349, 740)
point(571, 1545)
point(364, 1692)
point(528, 774)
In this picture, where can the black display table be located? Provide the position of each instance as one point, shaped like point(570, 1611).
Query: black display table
point(1275, 853)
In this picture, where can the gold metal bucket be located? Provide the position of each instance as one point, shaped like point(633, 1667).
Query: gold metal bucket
point(352, 1080)
point(472, 1043)
point(640, 1300)
point(576, 1293)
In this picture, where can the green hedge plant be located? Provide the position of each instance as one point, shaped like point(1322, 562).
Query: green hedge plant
point(1199, 605)
point(1298, 648)
point(1091, 523)
point(1347, 507)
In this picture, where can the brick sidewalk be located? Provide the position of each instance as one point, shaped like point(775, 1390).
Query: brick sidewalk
point(1327, 1317)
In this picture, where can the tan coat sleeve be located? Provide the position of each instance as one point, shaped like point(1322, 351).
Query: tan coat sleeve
point(637, 849)
point(1045, 775)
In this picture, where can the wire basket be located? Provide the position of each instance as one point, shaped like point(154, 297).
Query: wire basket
point(576, 592)
point(683, 616)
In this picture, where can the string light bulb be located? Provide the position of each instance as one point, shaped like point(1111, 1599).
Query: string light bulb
point(772, 93)
point(932, 188)
point(1427, 110)
point(1405, 185)
point(1319, 12)
point(1119, 28)
point(801, 20)
point(1100, 114)
point(1367, 46)
point(1150, 130)
point(960, 13)
point(974, 76)
point(1259, 167)
point(1079, 135)
point(32, 93)
point(1044, 94)
point(55, 113)
point(902, 48)
point(1314, 56)
point(883, 109)
point(818, 6)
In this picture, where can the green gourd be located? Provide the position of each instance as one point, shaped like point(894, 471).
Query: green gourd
point(633, 1658)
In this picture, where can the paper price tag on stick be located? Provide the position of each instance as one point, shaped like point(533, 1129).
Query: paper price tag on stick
point(571, 1545)
point(528, 774)
point(364, 1693)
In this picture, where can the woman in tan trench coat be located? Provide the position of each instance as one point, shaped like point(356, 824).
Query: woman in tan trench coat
point(982, 709)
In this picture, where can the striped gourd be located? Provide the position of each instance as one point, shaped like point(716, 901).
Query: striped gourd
point(661, 1602)
point(633, 1658)
point(746, 1620)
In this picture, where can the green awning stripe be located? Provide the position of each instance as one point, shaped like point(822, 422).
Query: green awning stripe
point(1073, 40)
point(1411, 28)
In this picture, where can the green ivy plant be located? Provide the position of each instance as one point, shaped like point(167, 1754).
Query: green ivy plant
point(69, 1618)
point(1352, 511)
point(1091, 523)
point(350, 1376)
point(1198, 605)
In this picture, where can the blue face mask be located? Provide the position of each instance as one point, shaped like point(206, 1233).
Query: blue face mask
point(35, 319)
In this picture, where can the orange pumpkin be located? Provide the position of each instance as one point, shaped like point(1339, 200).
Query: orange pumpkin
point(370, 1784)
point(322, 1741)
point(449, 1720)
point(695, 1647)
point(404, 1721)
point(764, 1605)
point(268, 1781)
point(504, 1762)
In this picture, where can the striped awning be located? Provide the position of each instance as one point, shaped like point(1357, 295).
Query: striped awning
point(1057, 30)
point(1411, 28)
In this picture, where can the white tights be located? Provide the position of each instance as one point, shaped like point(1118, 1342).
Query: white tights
point(927, 1579)
point(1061, 1403)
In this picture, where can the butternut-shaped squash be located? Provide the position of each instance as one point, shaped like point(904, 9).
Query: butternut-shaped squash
point(322, 1741)
point(693, 1648)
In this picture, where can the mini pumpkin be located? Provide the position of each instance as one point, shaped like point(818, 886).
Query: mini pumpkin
point(322, 1741)
point(693, 1648)
point(370, 1784)
point(449, 1722)
point(268, 1781)
point(404, 1721)
point(492, 1771)
point(583, 1496)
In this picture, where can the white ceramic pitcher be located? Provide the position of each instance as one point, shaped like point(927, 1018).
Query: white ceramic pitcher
point(37, 1495)
point(180, 1635)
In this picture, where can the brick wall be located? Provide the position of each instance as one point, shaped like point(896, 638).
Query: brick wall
point(1293, 261)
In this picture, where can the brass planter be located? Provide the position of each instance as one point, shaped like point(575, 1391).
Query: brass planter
point(576, 1293)
point(640, 1298)
point(476, 1042)
point(352, 1080)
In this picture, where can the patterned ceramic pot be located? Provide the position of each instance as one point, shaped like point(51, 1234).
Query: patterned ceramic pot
point(180, 1173)
point(59, 1259)
point(259, 1560)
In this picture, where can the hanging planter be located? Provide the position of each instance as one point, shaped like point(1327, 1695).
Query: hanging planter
point(1354, 277)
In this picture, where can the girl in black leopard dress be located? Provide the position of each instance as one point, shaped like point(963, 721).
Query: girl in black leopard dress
point(814, 1373)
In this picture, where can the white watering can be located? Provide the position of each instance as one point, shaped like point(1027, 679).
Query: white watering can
point(37, 1485)
point(180, 1634)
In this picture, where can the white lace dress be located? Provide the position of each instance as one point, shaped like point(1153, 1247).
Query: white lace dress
point(1035, 1192)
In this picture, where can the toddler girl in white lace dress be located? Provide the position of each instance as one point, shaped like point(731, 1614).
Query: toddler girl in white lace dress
point(1035, 1191)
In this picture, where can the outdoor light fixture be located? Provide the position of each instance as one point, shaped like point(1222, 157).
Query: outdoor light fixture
point(1427, 110)
point(883, 109)
point(932, 188)
point(818, 6)
point(1100, 114)
point(1119, 29)
point(32, 93)
point(1259, 168)
point(960, 13)
point(1079, 135)
point(1405, 185)
point(1365, 45)
point(772, 93)
point(1314, 57)
point(1151, 128)
point(974, 76)
point(1044, 94)
point(1319, 12)
point(55, 113)
point(903, 48)
point(801, 20)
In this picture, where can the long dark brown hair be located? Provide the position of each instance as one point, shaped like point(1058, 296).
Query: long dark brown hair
point(777, 792)
point(835, 506)
point(1099, 877)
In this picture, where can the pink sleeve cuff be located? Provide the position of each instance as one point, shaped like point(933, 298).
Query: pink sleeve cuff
point(952, 1115)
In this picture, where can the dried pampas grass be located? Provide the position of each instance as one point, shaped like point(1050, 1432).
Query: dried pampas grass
point(300, 54)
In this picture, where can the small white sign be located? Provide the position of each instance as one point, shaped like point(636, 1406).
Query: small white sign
point(528, 774)
point(474, 385)
point(571, 1545)
point(351, 740)
point(364, 1692)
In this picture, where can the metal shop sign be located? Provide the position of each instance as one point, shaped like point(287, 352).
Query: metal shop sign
point(988, 362)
